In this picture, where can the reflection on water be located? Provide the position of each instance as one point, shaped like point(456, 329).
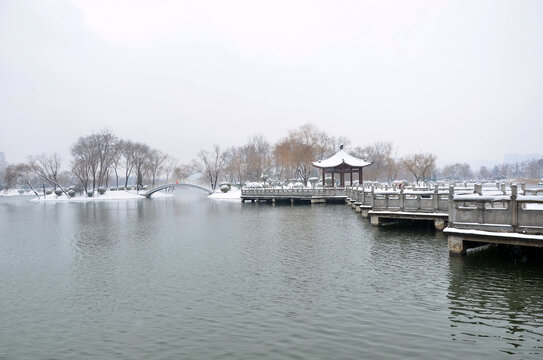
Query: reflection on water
point(186, 277)
point(497, 294)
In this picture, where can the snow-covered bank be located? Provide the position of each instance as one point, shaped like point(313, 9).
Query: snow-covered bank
point(15, 192)
point(109, 195)
point(234, 194)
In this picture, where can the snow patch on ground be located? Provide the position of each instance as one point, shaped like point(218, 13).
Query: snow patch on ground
point(234, 194)
point(109, 195)
point(14, 192)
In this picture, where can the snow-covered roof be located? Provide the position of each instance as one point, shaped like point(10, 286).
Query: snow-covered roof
point(341, 157)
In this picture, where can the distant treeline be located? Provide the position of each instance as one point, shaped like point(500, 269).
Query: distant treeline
point(102, 159)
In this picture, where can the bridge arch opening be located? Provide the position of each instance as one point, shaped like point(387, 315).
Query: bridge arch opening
point(149, 193)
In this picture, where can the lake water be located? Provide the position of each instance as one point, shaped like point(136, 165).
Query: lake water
point(191, 278)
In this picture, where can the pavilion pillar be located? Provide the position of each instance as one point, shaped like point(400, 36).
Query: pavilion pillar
point(351, 177)
point(323, 178)
point(341, 178)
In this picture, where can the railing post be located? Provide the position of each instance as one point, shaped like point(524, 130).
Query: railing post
point(502, 187)
point(436, 197)
point(372, 196)
point(514, 207)
point(478, 189)
point(523, 187)
point(402, 200)
point(451, 205)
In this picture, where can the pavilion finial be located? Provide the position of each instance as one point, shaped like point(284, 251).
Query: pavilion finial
point(341, 147)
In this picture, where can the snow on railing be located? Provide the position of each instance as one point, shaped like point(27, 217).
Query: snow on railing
point(510, 212)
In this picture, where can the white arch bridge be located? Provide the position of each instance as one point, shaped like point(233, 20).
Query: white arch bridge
point(181, 185)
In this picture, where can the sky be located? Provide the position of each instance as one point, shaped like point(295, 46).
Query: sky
point(460, 79)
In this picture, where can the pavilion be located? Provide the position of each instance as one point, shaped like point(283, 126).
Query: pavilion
point(342, 163)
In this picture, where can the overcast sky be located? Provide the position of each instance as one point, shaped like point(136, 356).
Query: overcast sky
point(461, 79)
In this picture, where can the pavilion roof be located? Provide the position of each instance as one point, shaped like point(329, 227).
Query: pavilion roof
point(341, 157)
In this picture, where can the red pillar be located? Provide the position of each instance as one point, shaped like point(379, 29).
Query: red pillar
point(333, 180)
point(323, 178)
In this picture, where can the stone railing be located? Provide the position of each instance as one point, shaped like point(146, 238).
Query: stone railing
point(289, 193)
point(436, 200)
point(500, 213)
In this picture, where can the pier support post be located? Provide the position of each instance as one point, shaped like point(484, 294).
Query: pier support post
point(358, 209)
point(364, 213)
point(456, 245)
point(439, 224)
point(375, 220)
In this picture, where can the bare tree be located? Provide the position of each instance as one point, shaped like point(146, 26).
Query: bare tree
point(211, 164)
point(257, 157)
point(299, 149)
point(47, 167)
point(116, 160)
point(84, 153)
point(96, 150)
point(169, 166)
point(181, 172)
point(484, 173)
point(81, 170)
point(127, 150)
point(155, 161)
point(140, 155)
point(384, 166)
point(457, 171)
point(419, 165)
point(104, 143)
point(23, 172)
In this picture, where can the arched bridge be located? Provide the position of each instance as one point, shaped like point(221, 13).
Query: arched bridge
point(168, 186)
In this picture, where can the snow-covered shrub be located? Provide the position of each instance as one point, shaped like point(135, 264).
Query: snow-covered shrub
point(48, 192)
point(225, 188)
point(121, 188)
point(129, 187)
point(58, 192)
point(298, 185)
point(101, 190)
point(90, 193)
point(21, 191)
point(71, 192)
point(113, 188)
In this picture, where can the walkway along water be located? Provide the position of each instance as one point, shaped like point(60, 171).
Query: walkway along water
point(498, 215)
